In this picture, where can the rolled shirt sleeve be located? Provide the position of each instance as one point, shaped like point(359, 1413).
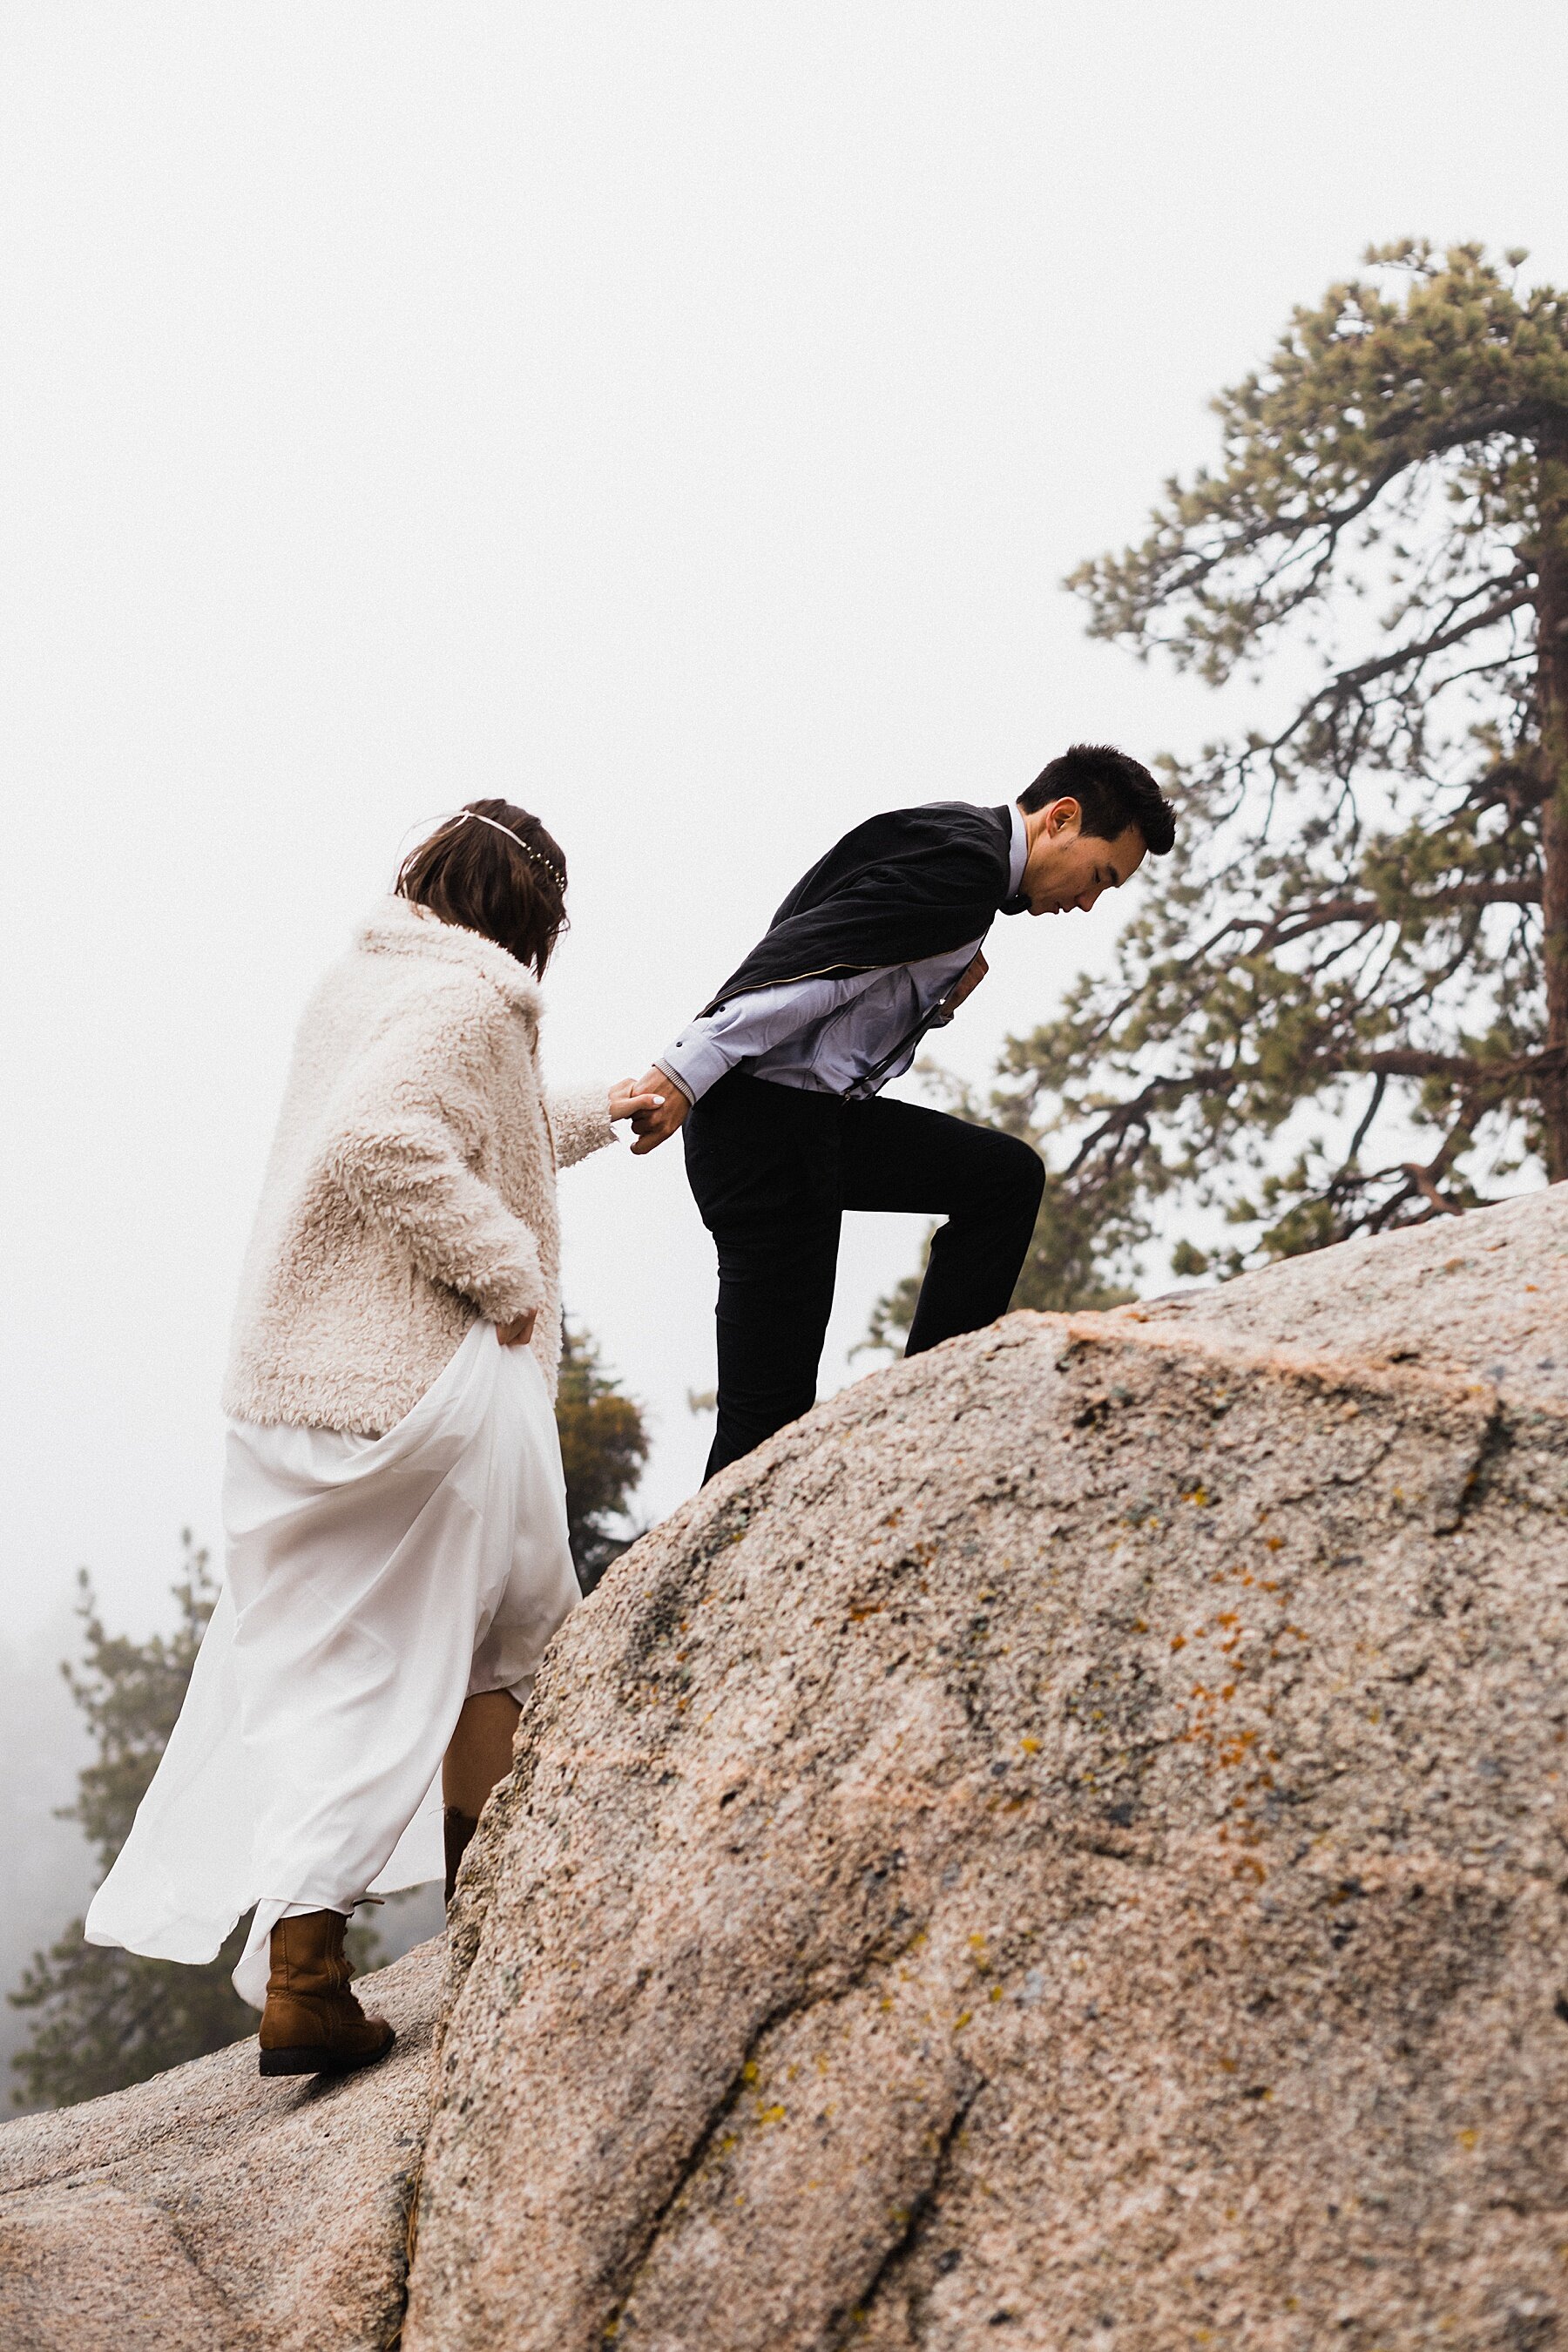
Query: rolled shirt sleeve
point(750, 1025)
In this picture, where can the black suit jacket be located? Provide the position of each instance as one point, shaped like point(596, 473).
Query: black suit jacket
point(904, 885)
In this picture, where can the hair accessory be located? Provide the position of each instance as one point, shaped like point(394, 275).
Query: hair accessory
point(537, 855)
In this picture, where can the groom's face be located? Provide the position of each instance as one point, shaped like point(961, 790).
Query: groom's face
point(1068, 868)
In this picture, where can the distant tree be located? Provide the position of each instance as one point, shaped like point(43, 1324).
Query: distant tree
point(604, 1445)
point(108, 2017)
point(1362, 935)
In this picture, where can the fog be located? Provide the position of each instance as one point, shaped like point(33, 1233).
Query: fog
point(677, 418)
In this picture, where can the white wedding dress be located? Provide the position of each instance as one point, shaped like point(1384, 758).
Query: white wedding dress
point(372, 1584)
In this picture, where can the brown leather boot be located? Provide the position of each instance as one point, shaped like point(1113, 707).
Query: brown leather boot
point(458, 1827)
point(312, 2024)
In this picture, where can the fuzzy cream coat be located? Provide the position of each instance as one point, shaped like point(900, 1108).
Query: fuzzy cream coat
point(412, 1184)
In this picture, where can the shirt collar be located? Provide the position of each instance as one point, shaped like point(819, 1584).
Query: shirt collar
point(1020, 853)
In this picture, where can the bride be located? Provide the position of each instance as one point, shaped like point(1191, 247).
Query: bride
point(392, 1498)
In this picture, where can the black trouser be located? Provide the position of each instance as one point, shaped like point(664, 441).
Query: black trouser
point(772, 1169)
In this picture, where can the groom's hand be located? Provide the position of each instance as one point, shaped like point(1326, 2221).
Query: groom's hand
point(655, 1126)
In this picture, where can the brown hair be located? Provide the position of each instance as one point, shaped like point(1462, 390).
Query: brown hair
point(513, 890)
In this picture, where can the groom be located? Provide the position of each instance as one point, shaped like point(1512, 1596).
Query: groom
point(777, 1081)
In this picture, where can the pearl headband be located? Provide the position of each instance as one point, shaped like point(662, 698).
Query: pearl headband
point(537, 855)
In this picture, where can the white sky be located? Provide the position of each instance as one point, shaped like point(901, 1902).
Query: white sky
point(677, 418)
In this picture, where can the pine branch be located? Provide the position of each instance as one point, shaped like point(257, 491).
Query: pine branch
point(1284, 929)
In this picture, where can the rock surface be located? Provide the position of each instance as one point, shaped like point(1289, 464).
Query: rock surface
point(1063, 1847)
point(209, 2211)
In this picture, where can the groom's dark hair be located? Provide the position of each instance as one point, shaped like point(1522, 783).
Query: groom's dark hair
point(1112, 789)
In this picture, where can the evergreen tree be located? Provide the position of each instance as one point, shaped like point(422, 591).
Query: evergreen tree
point(108, 2018)
point(604, 1445)
point(1344, 1002)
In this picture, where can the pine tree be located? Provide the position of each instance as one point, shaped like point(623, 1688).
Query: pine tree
point(604, 1445)
point(108, 2018)
point(1343, 1005)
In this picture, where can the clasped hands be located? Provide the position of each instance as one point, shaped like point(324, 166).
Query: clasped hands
point(654, 1103)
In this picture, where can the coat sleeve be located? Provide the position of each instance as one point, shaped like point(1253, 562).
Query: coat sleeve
point(579, 1120)
point(410, 1120)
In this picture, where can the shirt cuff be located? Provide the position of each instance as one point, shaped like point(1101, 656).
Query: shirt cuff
point(694, 1063)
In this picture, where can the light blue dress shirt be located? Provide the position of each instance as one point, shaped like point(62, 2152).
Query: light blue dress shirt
point(827, 1036)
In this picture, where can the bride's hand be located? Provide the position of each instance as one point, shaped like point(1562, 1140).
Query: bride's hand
point(518, 1334)
point(635, 1098)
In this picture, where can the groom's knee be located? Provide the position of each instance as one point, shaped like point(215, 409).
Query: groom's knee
point(1017, 1176)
